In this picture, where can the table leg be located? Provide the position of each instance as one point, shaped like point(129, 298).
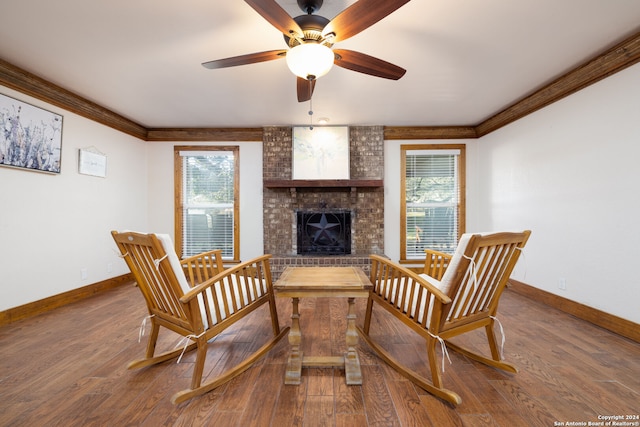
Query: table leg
point(352, 369)
point(294, 364)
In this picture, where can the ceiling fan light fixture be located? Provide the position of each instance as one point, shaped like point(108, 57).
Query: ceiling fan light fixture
point(310, 60)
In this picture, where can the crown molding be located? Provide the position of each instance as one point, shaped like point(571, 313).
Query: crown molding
point(37, 87)
point(204, 134)
point(611, 61)
point(429, 132)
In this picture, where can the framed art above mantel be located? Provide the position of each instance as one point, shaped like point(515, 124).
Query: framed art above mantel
point(320, 153)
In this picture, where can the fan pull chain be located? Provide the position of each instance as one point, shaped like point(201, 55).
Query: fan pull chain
point(310, 107)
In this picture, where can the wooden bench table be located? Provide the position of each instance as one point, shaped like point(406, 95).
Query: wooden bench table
point(345, 282)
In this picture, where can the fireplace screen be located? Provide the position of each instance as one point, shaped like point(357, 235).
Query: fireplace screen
point(324, 233)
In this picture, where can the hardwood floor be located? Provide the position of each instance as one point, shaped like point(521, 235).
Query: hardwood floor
point(67, 368)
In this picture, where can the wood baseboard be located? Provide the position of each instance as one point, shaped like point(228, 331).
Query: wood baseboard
point(615, 324)
point(41, 306)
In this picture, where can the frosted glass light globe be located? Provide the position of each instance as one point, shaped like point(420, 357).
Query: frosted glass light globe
point(310, 60)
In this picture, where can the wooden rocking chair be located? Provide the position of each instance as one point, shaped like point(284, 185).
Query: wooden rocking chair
point(198, 299)
point(466, 298)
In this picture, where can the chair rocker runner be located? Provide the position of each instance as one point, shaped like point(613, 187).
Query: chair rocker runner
point(198, 299)
point(463, 296)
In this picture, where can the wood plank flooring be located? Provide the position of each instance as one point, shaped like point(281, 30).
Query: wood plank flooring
point(67, 368)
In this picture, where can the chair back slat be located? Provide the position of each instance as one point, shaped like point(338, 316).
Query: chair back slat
point(147, 261)
point(492, 260)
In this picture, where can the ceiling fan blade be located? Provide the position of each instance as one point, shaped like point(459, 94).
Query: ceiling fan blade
point(305, 89)
point(362, 63)
point(276, 16)
point(251, 58)
point(360, 16)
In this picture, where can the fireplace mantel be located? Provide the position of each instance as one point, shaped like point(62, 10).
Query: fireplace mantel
point(323, 183)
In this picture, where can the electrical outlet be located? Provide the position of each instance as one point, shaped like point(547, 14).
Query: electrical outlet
point(109, 267)
point(84, 274)
point(562, 283)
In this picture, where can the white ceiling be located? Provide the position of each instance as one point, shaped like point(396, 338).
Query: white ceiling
point(466, 59)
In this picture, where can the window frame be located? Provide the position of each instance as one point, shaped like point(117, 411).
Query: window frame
point(179, 196)
point(404, 148)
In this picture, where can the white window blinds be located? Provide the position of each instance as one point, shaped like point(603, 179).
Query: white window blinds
point(432, 193)
point(208, 202)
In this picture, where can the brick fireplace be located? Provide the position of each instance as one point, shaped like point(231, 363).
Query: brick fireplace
point(362, 196)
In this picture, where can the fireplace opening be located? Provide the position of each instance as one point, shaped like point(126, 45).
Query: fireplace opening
point(324, 233)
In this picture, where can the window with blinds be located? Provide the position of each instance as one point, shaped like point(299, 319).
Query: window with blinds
point(207, 215)
point(432, 199)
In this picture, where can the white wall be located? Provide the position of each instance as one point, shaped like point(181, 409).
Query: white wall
point(161, 192)
point(570, 173)
point(53, 226)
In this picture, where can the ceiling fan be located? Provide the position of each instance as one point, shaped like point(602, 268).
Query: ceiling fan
point(310, 38)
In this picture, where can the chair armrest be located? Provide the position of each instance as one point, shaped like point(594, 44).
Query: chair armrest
point(199, 289)
point(433, 289)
